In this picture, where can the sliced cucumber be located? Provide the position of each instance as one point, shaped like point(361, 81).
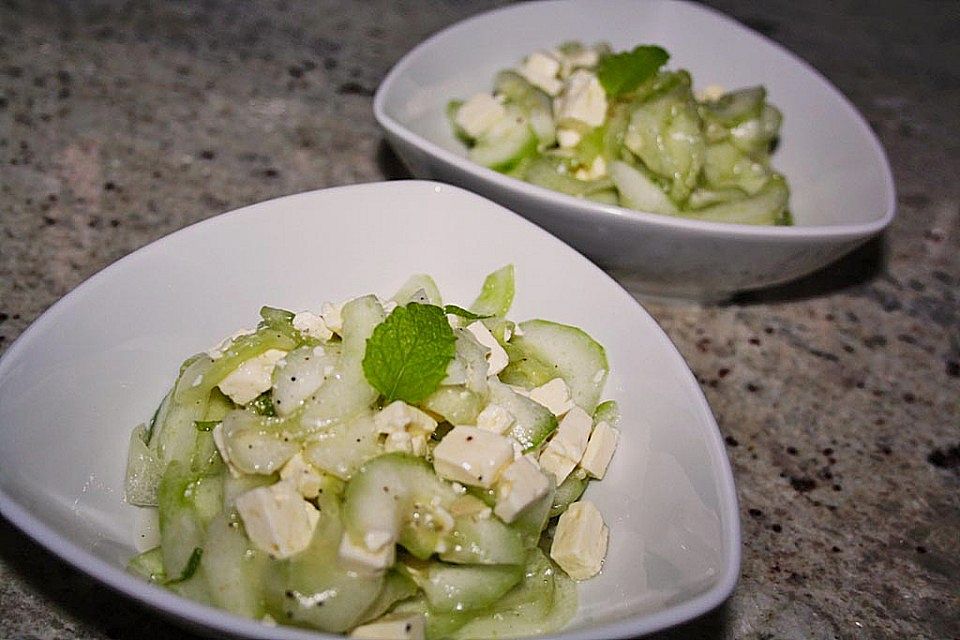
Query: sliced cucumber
point(568, 492)
point(701, 198)
point(181, 529)
point(737, 106)
point(639, 192)
point(233, 568)
point(397, 586)
point(393, 495)
point(453, 588)
point(342, 448)
point(496, 294)
point(144, 470)
point(300, 374)
point(665, 133)
point(542, 603)
point(148, 565)
point(607, 411)
point(726, 166)
point(483, 541)
point(455, 404)
point(346, 391)
point(313, 588)
point(421, 284)
point(532, 520)
point(507, 142)
point(579, 359)
point(535, 103)
point(254, 444)
point(768, 206)
point(544, 173)
point(533, 423)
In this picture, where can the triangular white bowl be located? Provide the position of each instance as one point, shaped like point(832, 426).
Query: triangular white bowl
point(842, 189)
point(97, 363)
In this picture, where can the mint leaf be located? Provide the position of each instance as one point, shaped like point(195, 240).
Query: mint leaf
point(407, 355)
point(454, 310)
point(621, 73)
point(193, 563)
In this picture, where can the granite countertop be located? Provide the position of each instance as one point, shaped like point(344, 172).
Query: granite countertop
point(837, 395)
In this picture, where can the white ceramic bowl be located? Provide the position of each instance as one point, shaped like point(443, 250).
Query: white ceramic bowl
point(97, 363)
point(842, 188)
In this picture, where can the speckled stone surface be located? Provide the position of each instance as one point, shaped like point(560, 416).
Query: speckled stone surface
point(838, 395)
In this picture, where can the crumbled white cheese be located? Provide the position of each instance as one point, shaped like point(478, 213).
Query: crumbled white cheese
point(596, 170)
point(566, 448)
point(583, 98)
point(478, 114)
point(400, 416)
point(554, 395)
point(495, 417)
point(600, 448)
point(332, 317)
point(472, 456)
point(540, 70)
point(568, 138)
point(580, 541)
point(303, 475)
point(361, 558)
point(312, 325)
point(520, 485)
point(251, 378)
point(220, 440)
point(277, 519)
point(497, 358)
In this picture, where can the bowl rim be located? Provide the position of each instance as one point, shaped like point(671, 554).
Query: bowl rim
point(519, 188)
point(196, 614)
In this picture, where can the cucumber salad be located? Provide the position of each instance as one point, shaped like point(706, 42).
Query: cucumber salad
point(619, 129)
point(398, 468)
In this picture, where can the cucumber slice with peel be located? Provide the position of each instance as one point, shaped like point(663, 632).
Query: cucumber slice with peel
point(455, 588)
point(533, 423)
point(483, 541)
point(535, 103)
point(507, 142)
point(346, 391)
point(639, 192)
point(399, 497)
point(568, 352)
point(768, 206)
point(496, 294)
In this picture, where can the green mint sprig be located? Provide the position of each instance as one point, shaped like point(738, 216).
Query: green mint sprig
point(621, 73)
point(406, 358)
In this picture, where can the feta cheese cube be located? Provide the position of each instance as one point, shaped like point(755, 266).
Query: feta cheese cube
point(400, 416)
point(600, 448)
point(520, 485)
point(312, 325)
point(220, 440)
point(566, 448)
point(332, 316)
point(596, 170)
point(541, 70)
point(478, 114)
point(568, 138)
point(359, 557)
point(583, 99)
point(554, 395)
point(251, 378)
point(395, 626)
point(304, 476)
point(710, 93)
point(472, 456)
point(580, 541)
point(497, 358)
point(495, 418)
point(277, 519)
